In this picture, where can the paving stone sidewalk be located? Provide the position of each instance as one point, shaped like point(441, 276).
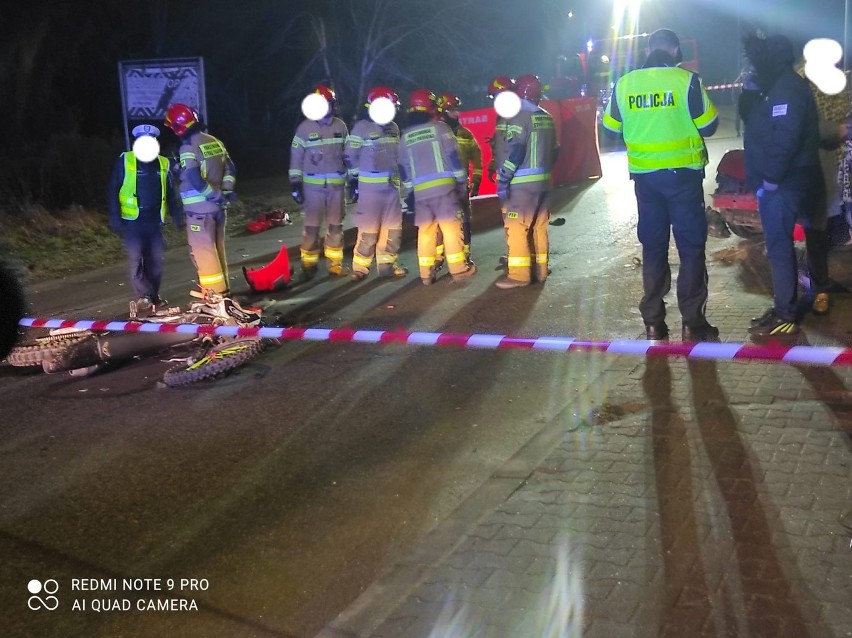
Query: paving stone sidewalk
point(700, 498)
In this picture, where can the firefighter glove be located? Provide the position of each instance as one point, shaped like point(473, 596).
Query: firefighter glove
point(503, 190)
point(409, 202)
point(474, 187)
point(353, 190)
point(216, 197)
point(298, 192)
point(230, 196)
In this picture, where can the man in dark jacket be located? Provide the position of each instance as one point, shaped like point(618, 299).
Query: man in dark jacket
point(782, 166)
point(141, 195)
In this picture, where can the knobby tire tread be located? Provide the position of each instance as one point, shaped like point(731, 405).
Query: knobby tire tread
point(210, 366)
point(33, 354)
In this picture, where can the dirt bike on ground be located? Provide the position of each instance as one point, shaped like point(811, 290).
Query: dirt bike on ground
point(83, 352)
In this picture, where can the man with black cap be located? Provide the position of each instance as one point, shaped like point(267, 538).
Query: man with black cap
point(781, 141)
point(664, 114)
point(141, 194)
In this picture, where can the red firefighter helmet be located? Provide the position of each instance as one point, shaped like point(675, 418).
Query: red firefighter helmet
point(499, 84)
point(447, 101)
point(529, 88)
point(382, 91)
point(180, 117)
point(327, 92)
point(422, 101)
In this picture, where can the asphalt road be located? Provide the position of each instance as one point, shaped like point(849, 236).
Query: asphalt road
point(286, 487)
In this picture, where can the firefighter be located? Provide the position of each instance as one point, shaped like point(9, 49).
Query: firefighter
point(370, 155)
point(207, 179)
point(498, 140)
point(471, 158)
point(523, 183)
point(434, 183)
point(141, 194)
point(664, 114)
point(317, 180)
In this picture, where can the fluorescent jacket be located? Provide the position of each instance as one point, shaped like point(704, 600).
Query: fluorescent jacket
point(662, 112)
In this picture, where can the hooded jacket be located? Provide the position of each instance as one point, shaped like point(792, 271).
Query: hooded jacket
point(781, 137)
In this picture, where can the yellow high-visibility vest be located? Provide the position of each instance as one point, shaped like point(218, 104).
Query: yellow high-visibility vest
point(127, 193)
point(659, 131)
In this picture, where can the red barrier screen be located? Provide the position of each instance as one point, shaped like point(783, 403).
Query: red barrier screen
point(576, 130)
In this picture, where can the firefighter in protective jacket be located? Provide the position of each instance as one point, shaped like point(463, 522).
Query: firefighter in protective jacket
point(498, 140)
point(470, 155)
point(317, 179)
point(370, 155)
point(434, 183)
point(207, 178)
point(523, 185)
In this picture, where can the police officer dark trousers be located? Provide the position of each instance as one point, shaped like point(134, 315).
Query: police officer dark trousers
point(671, 199)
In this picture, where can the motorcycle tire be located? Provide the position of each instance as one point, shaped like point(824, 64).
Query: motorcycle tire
point(44, 348)
point(746, 232)
point(218, 360)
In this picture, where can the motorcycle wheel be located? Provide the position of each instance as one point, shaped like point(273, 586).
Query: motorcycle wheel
point(746, 232)
point(36, 352)
point(218, 360)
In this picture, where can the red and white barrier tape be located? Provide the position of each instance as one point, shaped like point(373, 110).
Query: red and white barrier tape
point(735, 85)
point(819, 355)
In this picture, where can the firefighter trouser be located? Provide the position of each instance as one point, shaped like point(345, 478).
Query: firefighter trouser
point(466, 232)
point(205, 232)
point(323, 205)
point(378, 217)
point(525, 218)
point(441, 212)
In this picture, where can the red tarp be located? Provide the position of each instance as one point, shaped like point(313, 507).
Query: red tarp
point(576, 129)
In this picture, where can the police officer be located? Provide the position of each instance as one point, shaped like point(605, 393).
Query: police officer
point(664, 113)
point(370, 155)
point(434, 183)
point(523, 185)
point(470, 155)
point(317, 179)
point(141, 193)
point(207, 179)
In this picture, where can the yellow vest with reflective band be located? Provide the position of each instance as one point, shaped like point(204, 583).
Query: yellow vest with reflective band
point(127, 193)
point(658, 130)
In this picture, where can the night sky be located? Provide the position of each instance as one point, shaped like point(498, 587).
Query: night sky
point(261, 57)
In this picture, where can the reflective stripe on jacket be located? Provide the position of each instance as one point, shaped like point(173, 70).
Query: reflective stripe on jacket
point(127, 194)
